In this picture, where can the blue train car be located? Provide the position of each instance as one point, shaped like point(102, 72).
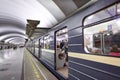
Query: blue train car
point(85, 46)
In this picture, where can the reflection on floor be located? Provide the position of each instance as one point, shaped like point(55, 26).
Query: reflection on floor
point(11, 64)
point(63, 71)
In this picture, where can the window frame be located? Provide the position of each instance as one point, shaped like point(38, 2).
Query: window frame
point(100, 22)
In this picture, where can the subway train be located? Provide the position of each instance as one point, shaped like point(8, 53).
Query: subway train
point(85, 46)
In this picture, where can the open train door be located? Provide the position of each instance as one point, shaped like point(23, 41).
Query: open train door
point(61, 51)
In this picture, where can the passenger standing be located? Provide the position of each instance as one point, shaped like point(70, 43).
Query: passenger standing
point(115, 50)
point(66, 49)
point(62, 45)
point(66, 52)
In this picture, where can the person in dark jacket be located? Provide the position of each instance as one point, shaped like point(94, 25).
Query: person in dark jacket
point(62, 45)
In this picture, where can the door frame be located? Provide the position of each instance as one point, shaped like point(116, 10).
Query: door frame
point(55, 46)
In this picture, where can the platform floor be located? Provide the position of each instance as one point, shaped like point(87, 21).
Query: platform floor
point(34, 70)
point(19, 64)
point(63, 71)
point(11, 64)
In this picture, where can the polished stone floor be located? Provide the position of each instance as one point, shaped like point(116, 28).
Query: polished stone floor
point(11, 64)
point(19, 64)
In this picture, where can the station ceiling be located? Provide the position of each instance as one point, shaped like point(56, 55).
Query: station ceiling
point(14, 15)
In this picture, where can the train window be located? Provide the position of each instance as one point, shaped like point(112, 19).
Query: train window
point(42, 42)
point(106, 13)
point(47, 40)
point(36, 47)
point(103, 38)
point(33, 47)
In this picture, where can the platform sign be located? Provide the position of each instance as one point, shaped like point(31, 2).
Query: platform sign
point(109, 27)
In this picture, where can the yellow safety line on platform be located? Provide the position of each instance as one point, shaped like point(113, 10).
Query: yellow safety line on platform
point(34, 68)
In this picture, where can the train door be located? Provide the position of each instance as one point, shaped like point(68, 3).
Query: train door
point(36, 48)
point(61, 51)
point(97, 42)
point(32, 47)
point(102, 41)
point(106, 41)
point(40, 46)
